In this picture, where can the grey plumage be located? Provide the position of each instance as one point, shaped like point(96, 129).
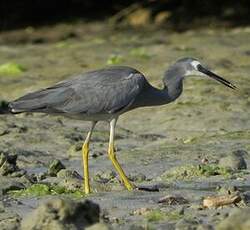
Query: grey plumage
point(107, 90)
point(101, 94)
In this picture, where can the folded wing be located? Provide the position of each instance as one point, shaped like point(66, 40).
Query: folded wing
point(103, 91)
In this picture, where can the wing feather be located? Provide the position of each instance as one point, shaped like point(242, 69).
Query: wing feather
point(104, 91)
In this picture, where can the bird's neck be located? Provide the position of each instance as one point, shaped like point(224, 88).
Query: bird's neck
point(152, 96)
point(173, 83)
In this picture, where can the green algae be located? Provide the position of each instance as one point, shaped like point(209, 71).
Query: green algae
point(33, 190)
point(240, 134)
point(11, 69)
point(155, 215)
point(140, 53)
point(38, 190)
point(115, 59)
point(213, 170)
point(62, 44)
point(188, 172)
point(173, 215)
point(189, 140)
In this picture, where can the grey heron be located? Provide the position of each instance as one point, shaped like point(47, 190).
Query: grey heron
point(105, 94)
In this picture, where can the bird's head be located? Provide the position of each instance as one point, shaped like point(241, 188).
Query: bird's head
point(191, 66)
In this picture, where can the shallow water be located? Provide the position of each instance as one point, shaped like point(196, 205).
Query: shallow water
point(207, 121)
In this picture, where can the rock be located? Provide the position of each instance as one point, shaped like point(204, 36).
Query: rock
point(70, 184)
point(173, 200)
point(12, 187)
point(4, 132)
point(66, 173)
point(137, 227)
point(2, 209)
point(105, 176)
point(9, 221)
point(69, 179)
point(140, 17)
point(7, 164)
point(74, 136)
point(184, 224)
point(141, 211)
point(205, 227)
point(162, 17)
point(234, 161)
point(7, 168)
point(140, 177)
point(246, 197)
point(98, 226)
point(9, 184)
point(149, 188)
point(3, 158)
point(27, 180)
point(239, 218)
point(62, 214)
point(95, 154)
point(227, 189)
point(19, 173)
point(240, 152)
point(54, 167)
point(41, 176)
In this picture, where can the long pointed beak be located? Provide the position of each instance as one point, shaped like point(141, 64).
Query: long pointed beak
point(216, 77)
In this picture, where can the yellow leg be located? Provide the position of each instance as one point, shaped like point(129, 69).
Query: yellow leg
point(118, 168)
point(85, 156)
point(112, 157)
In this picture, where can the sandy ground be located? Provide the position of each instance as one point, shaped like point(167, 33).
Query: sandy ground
point(208, 122)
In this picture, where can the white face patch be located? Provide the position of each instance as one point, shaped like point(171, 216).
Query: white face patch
point(195, 64)
point(195, 71)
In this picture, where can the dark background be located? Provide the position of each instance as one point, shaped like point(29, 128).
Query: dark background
point(22, 13)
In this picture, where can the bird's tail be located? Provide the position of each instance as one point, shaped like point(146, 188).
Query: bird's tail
point(32, 102)
point(39, 101)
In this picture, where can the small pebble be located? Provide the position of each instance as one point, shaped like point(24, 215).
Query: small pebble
point(173, 200)
point(235, 161)
point(141, 211)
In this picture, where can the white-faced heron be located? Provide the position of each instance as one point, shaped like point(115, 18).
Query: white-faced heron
point(107, 93)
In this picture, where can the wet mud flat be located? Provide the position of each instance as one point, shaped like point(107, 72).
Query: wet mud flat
point(195, 148)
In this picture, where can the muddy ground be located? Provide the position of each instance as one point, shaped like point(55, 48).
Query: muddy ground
point(176, 147)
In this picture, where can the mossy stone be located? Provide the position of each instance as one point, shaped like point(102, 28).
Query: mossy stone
point(62, 214)
point(54, 167)
point(234, 161)
point(239, 218)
